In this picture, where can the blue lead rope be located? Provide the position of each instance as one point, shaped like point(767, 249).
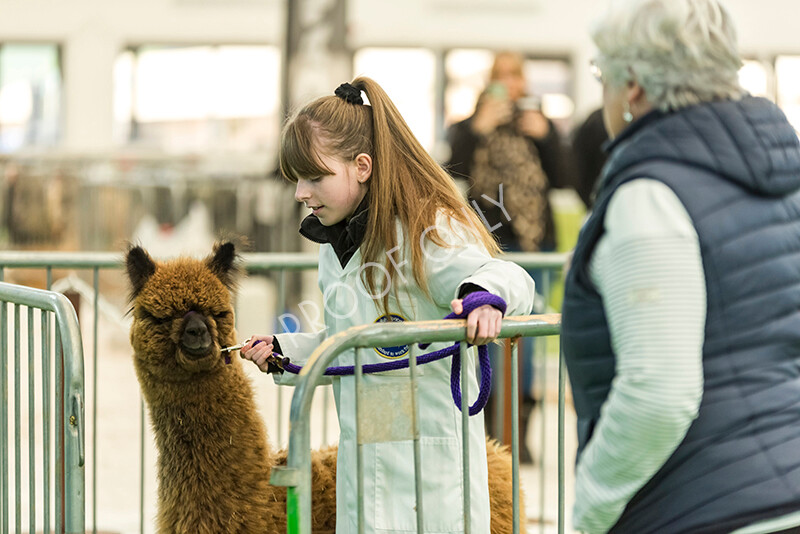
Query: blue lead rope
point(470, 303)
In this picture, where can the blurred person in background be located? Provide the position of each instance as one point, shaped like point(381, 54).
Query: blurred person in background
point(680, 323)
point(508, 143)
point(588, 155)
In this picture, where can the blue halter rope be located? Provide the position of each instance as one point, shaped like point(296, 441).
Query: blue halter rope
point(470, 303)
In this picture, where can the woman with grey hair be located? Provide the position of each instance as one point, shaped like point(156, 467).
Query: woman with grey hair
point(680, 322)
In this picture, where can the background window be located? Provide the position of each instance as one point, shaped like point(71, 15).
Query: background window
point(196, 98)
point(30, 95)
point(408, 75)
point(787, 77)
point(756, 78)
point(467, 73)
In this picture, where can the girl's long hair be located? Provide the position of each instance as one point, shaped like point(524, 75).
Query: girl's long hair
point(407, 184)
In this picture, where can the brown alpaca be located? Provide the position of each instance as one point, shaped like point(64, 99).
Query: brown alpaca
point(214, 459)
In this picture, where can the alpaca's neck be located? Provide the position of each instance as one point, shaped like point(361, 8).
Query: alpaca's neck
point(208, 432)
point(213, 407)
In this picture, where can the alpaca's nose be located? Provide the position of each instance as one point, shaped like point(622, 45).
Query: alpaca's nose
point(195, 332)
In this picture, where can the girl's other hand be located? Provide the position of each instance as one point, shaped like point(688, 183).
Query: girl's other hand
point(259, 351)
point(483, 324)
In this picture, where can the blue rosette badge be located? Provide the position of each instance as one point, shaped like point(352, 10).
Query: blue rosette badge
point(391, 353)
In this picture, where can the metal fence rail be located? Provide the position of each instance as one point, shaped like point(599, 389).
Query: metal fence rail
point(297, 473)
point(62, 414)
point(254, 262)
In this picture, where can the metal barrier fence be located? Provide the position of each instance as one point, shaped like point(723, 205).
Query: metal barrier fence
point(60, 368)
point(297, 473)
point(279, 267)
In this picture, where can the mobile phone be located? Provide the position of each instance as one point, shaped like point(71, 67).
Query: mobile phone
point(497, 90)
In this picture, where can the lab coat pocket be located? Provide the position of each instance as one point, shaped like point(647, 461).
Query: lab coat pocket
point(395, 499)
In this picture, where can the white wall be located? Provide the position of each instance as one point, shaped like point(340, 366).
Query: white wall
point(93, 31)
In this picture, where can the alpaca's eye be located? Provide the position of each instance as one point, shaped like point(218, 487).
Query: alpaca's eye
point(144, 314)
point(221, 316)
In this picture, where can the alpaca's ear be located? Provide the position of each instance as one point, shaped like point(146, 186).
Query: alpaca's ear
point(224, 263)
point(140, 268)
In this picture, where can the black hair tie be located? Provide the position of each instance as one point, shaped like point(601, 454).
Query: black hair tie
point(349, 94)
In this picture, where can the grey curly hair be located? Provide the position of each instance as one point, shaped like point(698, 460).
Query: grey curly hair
point(681, 52)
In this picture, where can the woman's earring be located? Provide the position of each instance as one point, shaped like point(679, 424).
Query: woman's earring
point(627, 116)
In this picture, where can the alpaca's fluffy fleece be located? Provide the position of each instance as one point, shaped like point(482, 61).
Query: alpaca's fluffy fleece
point(214, 459)
point(501, 489)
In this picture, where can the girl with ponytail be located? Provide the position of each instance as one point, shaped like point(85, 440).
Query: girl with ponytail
point(398, 243)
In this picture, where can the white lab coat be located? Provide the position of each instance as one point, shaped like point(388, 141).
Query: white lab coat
point(388, 457)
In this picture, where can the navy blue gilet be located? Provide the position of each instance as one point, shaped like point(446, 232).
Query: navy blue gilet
point(735, 166)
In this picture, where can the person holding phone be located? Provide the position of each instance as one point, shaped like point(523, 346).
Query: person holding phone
point(510, 155)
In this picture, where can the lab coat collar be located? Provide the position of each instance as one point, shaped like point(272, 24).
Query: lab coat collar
point(345, 237)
